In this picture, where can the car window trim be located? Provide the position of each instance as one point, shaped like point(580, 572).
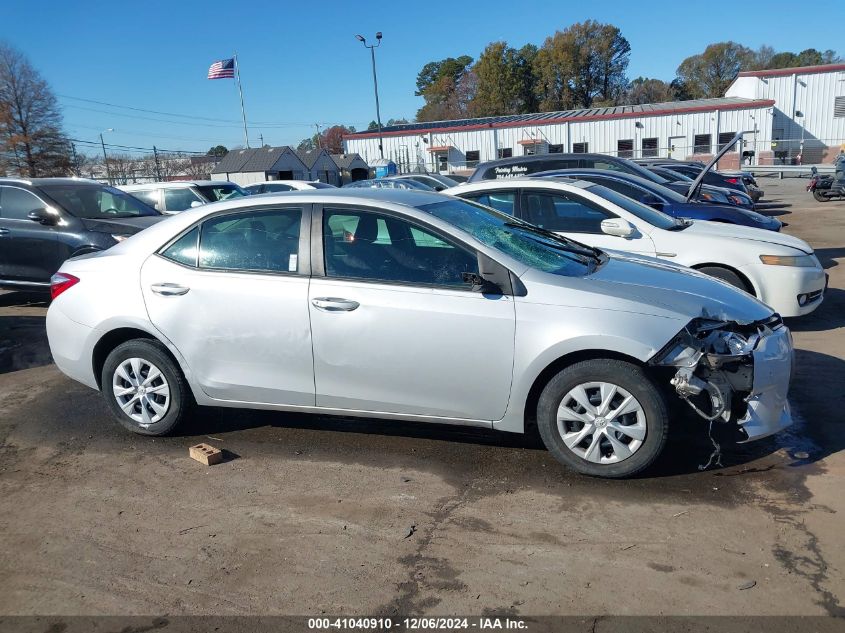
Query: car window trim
point(40, 199)
point(318, 258)
point(303, 256)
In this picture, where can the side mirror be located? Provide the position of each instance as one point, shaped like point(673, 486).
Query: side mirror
point(617, 227)
point(196, 203)
point(480, 284)
point(42, 216)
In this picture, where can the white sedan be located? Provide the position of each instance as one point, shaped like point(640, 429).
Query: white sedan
point(780, 270)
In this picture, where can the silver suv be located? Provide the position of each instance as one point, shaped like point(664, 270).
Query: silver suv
point(175, 197)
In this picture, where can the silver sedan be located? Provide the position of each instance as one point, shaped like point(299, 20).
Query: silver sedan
point(410, 305)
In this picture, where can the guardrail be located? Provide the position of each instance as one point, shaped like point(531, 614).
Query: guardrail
point(795, 171)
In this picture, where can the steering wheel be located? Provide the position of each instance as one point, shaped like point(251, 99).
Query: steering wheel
point(112, 211)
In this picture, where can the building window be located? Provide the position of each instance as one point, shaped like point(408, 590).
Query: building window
point(725, 138)
point(555, 149)
point(473, 156)
point(839, 107)
point(649, 147)
point(580, 148)
point(625, 148)
point(701, 144)
point(529, 150)
point(504, 152)
point(443, 161)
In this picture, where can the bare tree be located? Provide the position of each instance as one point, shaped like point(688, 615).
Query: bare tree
point(31, 139)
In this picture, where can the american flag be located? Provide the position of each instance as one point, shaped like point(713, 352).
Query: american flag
point(224, 69)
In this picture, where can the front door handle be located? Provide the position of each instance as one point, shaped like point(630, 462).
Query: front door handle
point(333, 304)
point(3, 232)
point(169, 290)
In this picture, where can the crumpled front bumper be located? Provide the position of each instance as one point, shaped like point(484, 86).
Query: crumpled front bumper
point(768, 408)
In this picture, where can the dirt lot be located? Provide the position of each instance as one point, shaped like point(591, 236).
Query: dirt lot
point(314, 515)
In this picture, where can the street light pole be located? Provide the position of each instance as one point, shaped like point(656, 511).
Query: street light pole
point(373, 48)
point(106, 158)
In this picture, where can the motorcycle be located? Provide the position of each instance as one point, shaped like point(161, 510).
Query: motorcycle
point(825, 188)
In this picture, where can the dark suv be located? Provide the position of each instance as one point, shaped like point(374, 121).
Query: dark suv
point(44, 221)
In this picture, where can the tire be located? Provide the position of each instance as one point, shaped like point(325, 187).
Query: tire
point(820, 197)
point(726, 275)
point(158, 411)
point(646, 418)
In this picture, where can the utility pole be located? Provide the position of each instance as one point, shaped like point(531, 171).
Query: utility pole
point(319, 143)
point(105, 157)
point(158, 166)
point(75, 159)
point(261, 138)
point(372, 48)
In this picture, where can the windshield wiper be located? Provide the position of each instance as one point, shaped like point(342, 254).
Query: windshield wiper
point(563, 243)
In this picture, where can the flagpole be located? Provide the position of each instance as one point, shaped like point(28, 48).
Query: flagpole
point(241, 92)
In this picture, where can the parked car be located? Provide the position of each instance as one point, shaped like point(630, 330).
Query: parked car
point(44, 221)
point(387, 183)
point(747, 176)
point(278, 186)
point(680, 183)
point(459, 178)
point(178, 195)
point(435, 181)
point(453, 315)
point(780, 270)
point(665, 200)
point(528, 165)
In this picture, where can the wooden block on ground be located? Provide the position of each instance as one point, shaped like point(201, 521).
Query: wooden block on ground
point(206, 454)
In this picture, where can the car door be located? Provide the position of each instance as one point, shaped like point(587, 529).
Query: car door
point(396, 329)
point(579, 219)
point(232, 295)
point(29, 251)
point(151, 196)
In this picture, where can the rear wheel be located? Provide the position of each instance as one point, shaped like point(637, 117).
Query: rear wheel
point(603, 418)
point(727, 275)
point(819, 196)
point(144, 388)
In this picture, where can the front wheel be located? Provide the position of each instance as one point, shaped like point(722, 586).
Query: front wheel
point(144, 387)
point(603, 418)
point(819, 196)
point(727, 275)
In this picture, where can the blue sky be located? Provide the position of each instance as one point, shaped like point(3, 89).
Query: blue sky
point(300, 62)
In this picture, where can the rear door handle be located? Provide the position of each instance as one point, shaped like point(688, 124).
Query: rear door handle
point(333, 304)
point(169, 290)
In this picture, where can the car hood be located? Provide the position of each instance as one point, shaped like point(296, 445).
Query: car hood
point(123, 226)
point(646, 285)
point(701, 228)
point(738, 214)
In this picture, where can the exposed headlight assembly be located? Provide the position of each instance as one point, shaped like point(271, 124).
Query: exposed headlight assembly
point(714, 361)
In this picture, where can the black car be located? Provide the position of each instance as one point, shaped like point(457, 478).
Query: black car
point(713, 178)
point(526, 165)
point(44, 221)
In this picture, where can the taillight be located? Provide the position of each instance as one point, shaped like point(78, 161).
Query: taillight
point(61, 282)
point(733, 181)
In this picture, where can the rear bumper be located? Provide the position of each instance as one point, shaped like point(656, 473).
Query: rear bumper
point(768, 410)
point(72, 345)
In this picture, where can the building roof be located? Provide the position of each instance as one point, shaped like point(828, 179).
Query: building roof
point(345, 160)
point(308, 157)
point(564, 116)
point(254, 159)
point(797, 70)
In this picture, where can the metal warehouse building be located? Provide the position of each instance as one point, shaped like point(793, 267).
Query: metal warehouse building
point(682, 129)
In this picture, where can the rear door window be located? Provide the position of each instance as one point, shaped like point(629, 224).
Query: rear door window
point(180, 199)
point(504, 201)
point(16, 203)
point(257, 241)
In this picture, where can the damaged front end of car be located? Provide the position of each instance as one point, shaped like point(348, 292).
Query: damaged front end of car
point(733, 372)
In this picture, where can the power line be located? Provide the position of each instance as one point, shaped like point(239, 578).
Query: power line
point(131, 147)
point(186, 116)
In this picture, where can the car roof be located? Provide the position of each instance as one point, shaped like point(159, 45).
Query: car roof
point(174, 183)
point(607, 173)
point(535, 157)
point(37, 182)
point(523, 182)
